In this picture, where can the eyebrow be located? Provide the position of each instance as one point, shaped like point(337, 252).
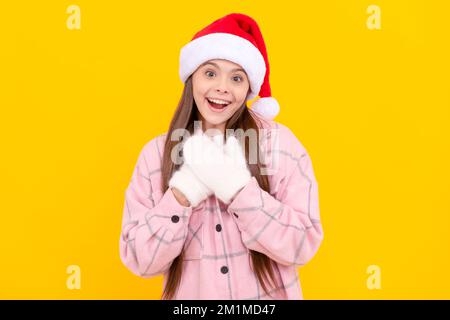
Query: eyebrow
point(215, 64)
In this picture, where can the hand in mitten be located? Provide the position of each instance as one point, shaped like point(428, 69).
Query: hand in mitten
point(220, 167)
point(192, 188)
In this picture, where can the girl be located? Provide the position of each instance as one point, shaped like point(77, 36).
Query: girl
point(215, 228)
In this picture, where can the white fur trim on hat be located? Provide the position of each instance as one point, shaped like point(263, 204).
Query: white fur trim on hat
point(224, 46)
point(268, 107)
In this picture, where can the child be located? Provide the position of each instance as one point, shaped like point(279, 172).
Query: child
point(220, 221)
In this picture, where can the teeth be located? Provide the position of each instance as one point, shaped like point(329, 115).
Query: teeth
point(219, 101)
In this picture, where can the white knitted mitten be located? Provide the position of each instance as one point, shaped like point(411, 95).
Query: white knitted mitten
point(187, 182)
point(220, 167)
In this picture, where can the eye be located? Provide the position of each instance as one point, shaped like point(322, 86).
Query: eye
point(238, 77)
point(209, 72)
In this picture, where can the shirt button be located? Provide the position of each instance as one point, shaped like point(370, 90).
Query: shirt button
point(175, 218)
point(224, 269)
point(218, 227)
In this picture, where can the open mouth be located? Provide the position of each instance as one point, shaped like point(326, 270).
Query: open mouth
point(217, 104)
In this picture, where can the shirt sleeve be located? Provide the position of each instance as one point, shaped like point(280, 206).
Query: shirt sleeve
point(153, 234)
point(286, 228)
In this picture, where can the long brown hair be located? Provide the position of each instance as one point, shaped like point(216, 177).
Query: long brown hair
point(243, 118)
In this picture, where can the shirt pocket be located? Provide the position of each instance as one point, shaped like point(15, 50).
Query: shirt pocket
point(193, 245)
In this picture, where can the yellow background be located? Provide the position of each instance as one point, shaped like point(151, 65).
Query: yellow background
point(371, 107)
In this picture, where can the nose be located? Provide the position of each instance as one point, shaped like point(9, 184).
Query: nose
point(221, 90)
point(222, 86)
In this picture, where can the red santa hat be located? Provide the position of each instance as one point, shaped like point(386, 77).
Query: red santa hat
point(235, 37)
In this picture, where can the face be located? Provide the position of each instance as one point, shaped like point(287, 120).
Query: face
point(220, 88)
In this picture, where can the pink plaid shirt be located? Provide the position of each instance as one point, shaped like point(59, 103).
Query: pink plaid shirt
point(284, 224)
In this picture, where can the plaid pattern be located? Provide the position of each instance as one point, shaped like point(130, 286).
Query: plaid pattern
point(284, 224)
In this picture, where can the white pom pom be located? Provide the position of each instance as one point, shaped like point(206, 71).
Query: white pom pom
point(267, 107)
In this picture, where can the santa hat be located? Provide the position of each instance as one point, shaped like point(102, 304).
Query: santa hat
point(237, 38)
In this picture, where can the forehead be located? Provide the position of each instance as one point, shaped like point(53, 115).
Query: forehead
point(224, 64)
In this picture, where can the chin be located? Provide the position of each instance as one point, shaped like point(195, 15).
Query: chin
point(217, 120)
